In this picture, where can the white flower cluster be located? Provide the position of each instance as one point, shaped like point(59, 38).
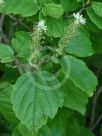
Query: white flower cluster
point(79, 19)
point(2, 2)
point(41, 26)
point(37, 40)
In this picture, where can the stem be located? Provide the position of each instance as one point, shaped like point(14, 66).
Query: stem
point(97, 122)
point(19, 66)
point(95, 98)
point(86, 6)
point(20, 22)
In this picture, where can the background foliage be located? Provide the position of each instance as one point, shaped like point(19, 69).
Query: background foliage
point(30, 102)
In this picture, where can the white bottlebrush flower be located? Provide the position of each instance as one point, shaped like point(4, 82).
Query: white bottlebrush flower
point(2, 2)
point(41, 26)
point(79, 18)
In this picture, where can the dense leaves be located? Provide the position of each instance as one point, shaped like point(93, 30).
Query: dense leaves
point(64, 124)
point(50, 67)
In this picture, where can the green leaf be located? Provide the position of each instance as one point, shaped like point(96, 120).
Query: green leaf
point(97, 43)
point(21, 44)
point(64, 124)
point(94, 18)
point(75, 98)
point(69, 5)
point(74, 128)
point(5, 104)
point(57, 126)
point(55, 27)
point(97, 7)
point(22, 7)
point(16, 132)
point(21, 130)
point(42, 2)
point(53, 10)
point(35, 98)
point(92, 27)
point(86, 132)
point(6, 53)
point(77, 71)
point(80, 45)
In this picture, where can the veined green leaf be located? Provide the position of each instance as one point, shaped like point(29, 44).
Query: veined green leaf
point(55, 27)
point(22, 7)
point(21, 130)
point(80, 45)
point(6, 53)
point(33, 101)
point(21, 44)
point(97, 7)
point(94, 18)
point(57, 126)
point(77, 71)
point(75, 98)
point(64, 124)
point(69, 5)
point(5, 104)
point(53, 10)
